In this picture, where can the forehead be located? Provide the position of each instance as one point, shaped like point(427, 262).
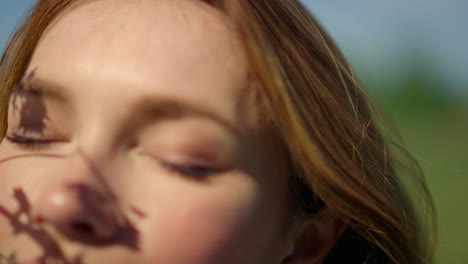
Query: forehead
point(167, 47)
point(145, 27)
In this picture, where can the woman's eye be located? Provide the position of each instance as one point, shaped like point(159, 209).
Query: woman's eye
point(194, 171)
point(28, 142)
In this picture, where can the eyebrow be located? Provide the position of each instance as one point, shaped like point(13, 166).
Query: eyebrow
point(148, 106)
point(174, 109)
point(33, 86)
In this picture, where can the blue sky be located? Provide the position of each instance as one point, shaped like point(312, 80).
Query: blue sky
point(377, 36)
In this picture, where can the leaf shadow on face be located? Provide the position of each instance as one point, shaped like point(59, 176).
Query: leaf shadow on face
point(23, 222)
point(30, 106)
point(33, 115)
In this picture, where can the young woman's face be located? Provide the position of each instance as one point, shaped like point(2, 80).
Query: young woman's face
point(133, 138)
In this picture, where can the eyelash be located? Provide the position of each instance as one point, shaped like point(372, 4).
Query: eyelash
point(27, 142)
point(192, 171)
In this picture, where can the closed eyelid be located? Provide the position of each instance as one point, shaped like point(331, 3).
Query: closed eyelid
point(31, 113)
point(163, 108)
point(36, 86)
point(31, 94)
point(40, 90)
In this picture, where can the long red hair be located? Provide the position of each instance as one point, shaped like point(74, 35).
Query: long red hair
point(339, 157)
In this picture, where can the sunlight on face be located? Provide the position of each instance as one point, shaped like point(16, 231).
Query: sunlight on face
point(140, 143)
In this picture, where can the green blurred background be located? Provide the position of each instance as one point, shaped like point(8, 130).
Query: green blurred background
point(412, 56)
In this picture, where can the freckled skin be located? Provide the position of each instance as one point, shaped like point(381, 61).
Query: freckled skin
point(106, 55)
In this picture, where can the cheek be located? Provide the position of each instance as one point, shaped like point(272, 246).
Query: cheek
point(25, 173)
point(21, 171)
point(7, 181)
point(15, 174)
point(206, 226)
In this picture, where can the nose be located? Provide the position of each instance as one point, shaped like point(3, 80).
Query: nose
point(79, 211)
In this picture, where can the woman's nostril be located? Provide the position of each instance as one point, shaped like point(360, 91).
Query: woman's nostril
point(82, 228)
point(80, 212)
